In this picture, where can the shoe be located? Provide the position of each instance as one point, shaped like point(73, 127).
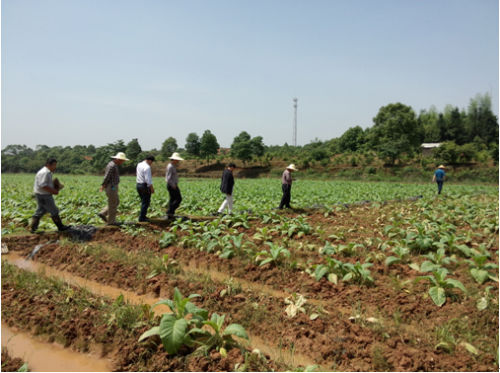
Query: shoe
point(145, 220)
point(102, 217)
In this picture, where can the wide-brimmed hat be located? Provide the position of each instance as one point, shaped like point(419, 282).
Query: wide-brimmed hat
point(441, 166)
point(292, 167)
point(176, 157)
point(120, 155)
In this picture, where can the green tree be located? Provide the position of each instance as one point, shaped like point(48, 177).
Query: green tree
point(257, 146)
point(241, 148)
point(168, 147)
point(481, 121)
point(133, 150)
point(208, 145)
point(352, 139)
point(395, 131)
point(193, 144)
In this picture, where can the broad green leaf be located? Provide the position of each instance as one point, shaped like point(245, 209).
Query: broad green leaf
point(428, 266)
point(332, 277)
point(237, 330)
point(480, 275)
point(320, 271)
point(415, 266)
point(456, 284)
point(153, 331)
point(265, 261)
point(437, 295)
point(172, 333)
point(166, 302)
point(391, 260)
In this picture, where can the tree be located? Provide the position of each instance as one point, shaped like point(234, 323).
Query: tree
point(168, 147)
point(352, 139)
point(133, 150)
point(481, 121)
point(395, 131)
point(208, 145)
point(257, 146)
point(241, 148)
point(193, 144)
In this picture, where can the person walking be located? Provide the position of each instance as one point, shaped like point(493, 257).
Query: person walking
point(144, 185)
point(439, 176)
point(173, 184)
point(110, 185)
point(44, 189)
point(226, 186)
point(286, 186)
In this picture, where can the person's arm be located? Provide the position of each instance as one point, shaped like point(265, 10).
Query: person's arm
point(149, 180)
point(434, 178)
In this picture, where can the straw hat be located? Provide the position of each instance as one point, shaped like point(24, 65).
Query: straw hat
point(292, 167)
point(176, 157)
point(441, 166)
point(120, 155)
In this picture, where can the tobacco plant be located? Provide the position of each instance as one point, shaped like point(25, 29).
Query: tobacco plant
point(275, 255)
point(218, 338)
point(441, 285)
point(174, 328)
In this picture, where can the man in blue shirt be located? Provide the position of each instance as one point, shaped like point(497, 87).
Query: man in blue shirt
point(439, 177)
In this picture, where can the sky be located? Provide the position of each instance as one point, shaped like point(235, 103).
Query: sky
point(81, 72)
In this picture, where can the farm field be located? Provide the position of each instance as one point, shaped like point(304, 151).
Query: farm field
point(359, 276)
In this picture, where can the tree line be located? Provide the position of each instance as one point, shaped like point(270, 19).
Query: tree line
point(397, 132)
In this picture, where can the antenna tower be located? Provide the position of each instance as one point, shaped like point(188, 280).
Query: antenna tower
point(295, 121)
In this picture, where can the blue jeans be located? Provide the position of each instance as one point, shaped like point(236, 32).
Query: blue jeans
point(145, 195)
point(440, 186)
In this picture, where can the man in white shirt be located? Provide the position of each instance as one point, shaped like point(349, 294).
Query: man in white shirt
point(44, 189)
point(145, 185)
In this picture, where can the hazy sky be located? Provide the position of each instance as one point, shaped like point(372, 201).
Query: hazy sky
point(95, 71)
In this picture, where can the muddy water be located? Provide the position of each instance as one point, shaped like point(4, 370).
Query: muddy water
point(275, 353)
point(49, 357)
point(93, 286)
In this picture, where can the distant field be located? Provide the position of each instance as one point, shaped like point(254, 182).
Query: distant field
point(80, 200)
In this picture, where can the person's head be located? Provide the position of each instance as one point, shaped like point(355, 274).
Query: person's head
point(175, 158)
point(441, 167)
point(150, 159)
point(51, 164)
point(291, 167)
point(231, 166)
point(120, 158)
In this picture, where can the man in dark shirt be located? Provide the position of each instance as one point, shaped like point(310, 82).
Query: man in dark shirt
point(226, 186)
point(110, 185)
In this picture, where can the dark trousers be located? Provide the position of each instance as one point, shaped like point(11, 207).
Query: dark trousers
point(440, 186)
point(175, 199)
point(287, 195)
point(145, 195)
